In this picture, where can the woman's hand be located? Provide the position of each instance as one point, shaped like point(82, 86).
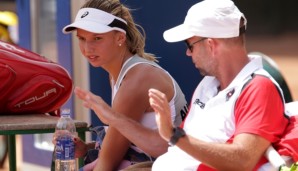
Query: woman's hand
point(81, 147)
point(97, 104)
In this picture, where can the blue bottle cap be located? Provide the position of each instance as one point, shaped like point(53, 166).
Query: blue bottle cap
point(65, 112)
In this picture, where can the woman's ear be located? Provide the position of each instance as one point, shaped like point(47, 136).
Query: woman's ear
point(121, 37)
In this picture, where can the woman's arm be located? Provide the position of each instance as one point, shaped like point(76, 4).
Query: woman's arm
point(129, 105)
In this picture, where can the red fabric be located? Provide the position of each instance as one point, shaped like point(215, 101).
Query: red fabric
point(288, 144)
point(203, 167)
point(260, 110)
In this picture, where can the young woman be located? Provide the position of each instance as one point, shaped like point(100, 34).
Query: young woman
point(109, 38)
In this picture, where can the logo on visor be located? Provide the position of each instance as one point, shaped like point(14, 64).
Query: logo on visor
point(85, 14)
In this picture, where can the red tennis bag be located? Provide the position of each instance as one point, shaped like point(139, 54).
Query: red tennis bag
point(30, 83)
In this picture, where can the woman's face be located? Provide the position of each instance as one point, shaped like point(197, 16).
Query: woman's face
point(99, 49)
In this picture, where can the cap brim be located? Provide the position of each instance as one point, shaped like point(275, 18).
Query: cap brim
point(88, 26)
point(178, 33)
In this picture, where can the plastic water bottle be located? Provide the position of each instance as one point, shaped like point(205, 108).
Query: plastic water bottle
point(65, 148)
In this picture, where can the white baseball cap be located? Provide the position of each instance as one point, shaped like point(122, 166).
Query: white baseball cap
point(209, 18)
point(96, 21)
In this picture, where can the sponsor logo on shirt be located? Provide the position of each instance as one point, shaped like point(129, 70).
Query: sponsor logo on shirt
point(201, 104)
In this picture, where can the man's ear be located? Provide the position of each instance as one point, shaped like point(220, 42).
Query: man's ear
point(212, 45)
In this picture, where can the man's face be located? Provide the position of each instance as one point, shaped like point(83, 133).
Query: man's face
point(197, 50)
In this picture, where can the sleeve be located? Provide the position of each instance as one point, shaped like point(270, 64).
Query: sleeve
point(260, 110)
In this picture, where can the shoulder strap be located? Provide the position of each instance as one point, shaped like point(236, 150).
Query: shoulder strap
point(253, 75)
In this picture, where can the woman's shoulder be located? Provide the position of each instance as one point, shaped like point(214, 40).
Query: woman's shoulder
point(143, 76)
point(140, 69)
point(146, 73)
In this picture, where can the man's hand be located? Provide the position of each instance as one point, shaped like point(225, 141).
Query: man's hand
point(160, 104)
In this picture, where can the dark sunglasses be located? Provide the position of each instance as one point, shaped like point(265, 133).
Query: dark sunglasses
point(190, 46)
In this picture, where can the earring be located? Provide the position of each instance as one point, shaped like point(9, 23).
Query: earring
point(120, 44)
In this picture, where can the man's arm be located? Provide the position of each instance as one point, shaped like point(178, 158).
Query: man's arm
point(244, 152)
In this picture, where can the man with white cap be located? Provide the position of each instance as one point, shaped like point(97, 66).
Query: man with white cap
point(236, 111)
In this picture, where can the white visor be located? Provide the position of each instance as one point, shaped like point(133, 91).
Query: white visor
point(96, 21)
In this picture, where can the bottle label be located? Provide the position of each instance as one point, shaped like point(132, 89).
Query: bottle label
point(65, 149)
